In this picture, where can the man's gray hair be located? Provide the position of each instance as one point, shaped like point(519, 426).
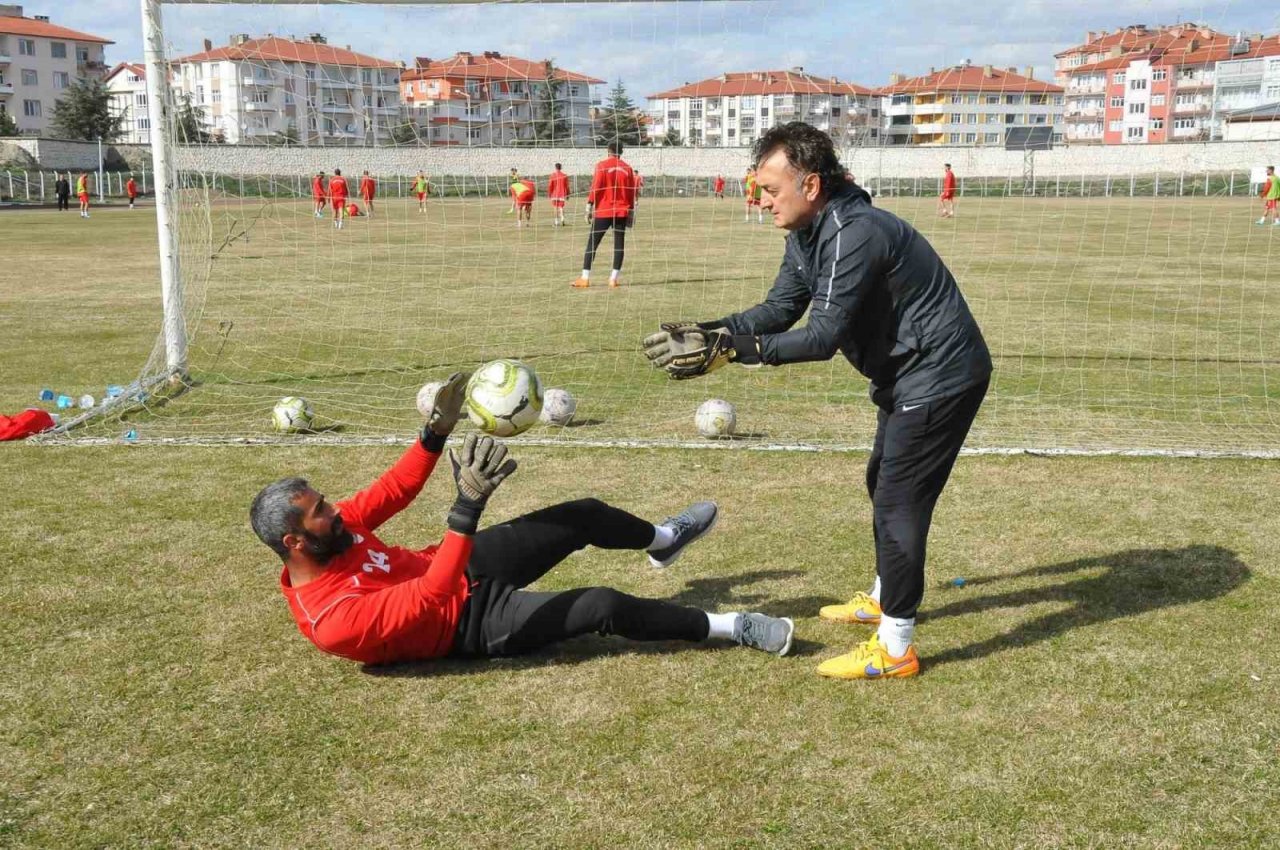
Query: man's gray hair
point(273, 513)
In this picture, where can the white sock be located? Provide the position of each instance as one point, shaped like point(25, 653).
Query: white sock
point(613, 275)
point(586, 274)
point(875, 590)
point(896, 634)
point(663, 536)
point(721, 625)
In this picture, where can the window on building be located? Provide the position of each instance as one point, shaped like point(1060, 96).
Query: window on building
point(957, 98)
point(1137, 84)
point(1157, 123)
point(900, 99)
point(1157, 100)
point(259, 95)
point(971, 99)
point(1136, 133)
point(133, 78)
point(26, 47)
point(140, 98)
point(58, 49)
point(732, 112)
point(1273, 92)
point(970, 138)
point(1115, 126)
point(199, 94)
point(1273, 66)
point(1012, 98)
point(142, 123)
point(993, 98)
point(1137, 109)
point(991, 138)
point(31, 108)
point(673, 115)
point(1057, 100)
point(955, 118)
point(82, 54)
point(747, 102)
point(764, 112)
point(216, 96)
point(1159, 74)
point(1117, 102)
point(1184, 123)
point(366, 76)
point(473, 133)
point(1011, 118)
point(1119, 77)
point(955, 138)
point(61, 79)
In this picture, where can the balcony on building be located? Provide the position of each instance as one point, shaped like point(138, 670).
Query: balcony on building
point(6, 89)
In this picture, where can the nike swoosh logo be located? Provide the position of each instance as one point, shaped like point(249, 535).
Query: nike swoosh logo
point(872, 671)
point(861, 614)
point(907, 408)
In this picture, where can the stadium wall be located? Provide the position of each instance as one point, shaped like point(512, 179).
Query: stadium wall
point(866, 163)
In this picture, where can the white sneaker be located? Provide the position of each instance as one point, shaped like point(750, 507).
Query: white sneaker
point(1261, 221)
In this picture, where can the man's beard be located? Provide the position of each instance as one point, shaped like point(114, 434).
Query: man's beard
point(325, 549)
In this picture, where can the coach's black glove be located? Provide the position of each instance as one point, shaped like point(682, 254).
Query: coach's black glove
point(478, 469)
point(689, 349)
point(443, 411)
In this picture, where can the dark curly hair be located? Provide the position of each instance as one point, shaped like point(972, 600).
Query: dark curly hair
point(808, 150)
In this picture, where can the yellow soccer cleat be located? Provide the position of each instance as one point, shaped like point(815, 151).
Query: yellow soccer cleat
point(581, 283)
point(870, 660)
point(862, 608)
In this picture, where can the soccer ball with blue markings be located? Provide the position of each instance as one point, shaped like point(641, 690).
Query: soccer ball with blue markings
point(504, 398)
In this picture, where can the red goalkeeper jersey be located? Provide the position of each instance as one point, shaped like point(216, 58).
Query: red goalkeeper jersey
point(613, 188)
point(367, 188)
point(338, 188)
point(377, 603)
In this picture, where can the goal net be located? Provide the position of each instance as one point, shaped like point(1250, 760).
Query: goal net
point(1126, 293)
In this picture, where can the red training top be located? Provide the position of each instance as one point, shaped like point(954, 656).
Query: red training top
point(377, 603)
point(949, 181)
point(367, 187)
point(317, 187)
point(558, 186)
point(613, 188)
point(719, 184)
point(338, 187)
point(132, 188)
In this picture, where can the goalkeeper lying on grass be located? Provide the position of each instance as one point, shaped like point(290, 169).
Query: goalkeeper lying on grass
point(355, 596)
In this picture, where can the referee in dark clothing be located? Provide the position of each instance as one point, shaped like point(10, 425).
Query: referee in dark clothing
point(877, 292)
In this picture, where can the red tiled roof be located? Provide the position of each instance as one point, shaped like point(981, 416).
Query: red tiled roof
point(970, 78)
point(1135, 38)
point(764, 82)
point(287, 50)
point(1178, 52)
point(44, 29)
point(131, 67)
point(489, 65)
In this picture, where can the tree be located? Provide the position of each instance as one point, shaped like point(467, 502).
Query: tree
point(8, 127)
point(620, 120)
point(84, 112)
point(550, 127)
point(672, 138)
point(405, 134)
point(188, 123)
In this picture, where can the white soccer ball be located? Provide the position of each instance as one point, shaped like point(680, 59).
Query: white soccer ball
point(292, 414)
point(427, 397)
point(504, 398)
point(715, 418)
point(558, 407)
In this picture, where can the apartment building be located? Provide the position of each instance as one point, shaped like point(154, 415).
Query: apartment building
point(259, 90)
point(127, 83)
point(38, 59)
point(968, 104)
point(492, 99)
point(734, 109)
point(1153, 86)
point(1246, 85)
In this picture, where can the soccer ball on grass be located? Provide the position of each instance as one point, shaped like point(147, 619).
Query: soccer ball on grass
point(504, 398)
point(292, 414)
point(558, 407)
point(716, 418)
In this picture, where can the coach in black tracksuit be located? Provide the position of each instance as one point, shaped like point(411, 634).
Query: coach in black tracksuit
point(878, 293)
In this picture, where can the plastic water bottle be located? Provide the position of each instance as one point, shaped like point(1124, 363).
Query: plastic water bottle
point(130, 436)
point(86, 401)
point(47, 394)
point(114, 391)
point(65, 402)
point(957, 582)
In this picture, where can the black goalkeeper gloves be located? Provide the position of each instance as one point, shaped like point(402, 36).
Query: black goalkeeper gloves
point(478, 469)
point(689, 349)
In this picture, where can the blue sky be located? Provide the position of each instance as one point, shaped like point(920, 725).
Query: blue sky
point(652, 46)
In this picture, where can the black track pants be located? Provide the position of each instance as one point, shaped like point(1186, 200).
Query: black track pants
point(598, 227)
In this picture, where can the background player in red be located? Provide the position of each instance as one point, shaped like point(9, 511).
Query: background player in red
point(523, 192)
point(83, 188)
point(558, 191)
point(319, 193)
point(338, 192)
point(718, 187)
point(947, 199)
point(354, 596)
point(131, 188)
point(611, 199)
point(368, 188)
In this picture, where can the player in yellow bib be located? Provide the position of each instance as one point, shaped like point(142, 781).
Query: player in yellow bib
point(82, 190)
point(421, 185)
point(751, 189)
point(1271, 198)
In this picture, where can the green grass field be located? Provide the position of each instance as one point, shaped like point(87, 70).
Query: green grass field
point(1104, 679)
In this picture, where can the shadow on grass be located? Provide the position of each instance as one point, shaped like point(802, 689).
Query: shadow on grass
point(716, 593)
point(1132, 582)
